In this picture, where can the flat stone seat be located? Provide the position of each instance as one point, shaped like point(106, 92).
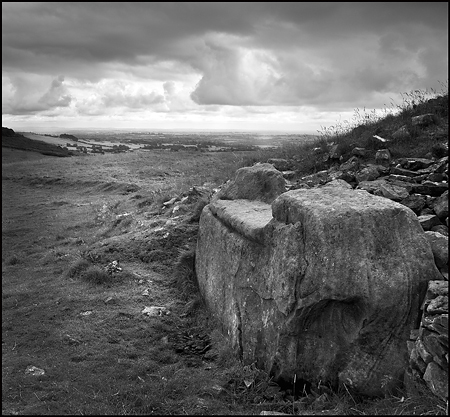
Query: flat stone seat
point(247, 217)
point(324, 284)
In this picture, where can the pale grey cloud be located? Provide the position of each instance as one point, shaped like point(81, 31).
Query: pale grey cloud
point(26, 95)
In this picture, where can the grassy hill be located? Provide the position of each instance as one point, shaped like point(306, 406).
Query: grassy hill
point(10, 139)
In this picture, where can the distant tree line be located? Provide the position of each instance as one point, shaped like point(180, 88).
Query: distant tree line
point(67, 136)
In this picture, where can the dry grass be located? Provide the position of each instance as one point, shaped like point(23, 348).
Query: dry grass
point(359, 132)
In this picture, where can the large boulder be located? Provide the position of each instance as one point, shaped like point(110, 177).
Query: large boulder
point(323, 283)
point(259, 182)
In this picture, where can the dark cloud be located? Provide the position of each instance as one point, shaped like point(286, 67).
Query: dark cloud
point(63, 33)
point(320, 54)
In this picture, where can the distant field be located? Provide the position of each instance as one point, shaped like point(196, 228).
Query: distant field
point(46, 139)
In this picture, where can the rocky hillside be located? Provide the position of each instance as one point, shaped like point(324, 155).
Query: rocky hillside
point(418, 130)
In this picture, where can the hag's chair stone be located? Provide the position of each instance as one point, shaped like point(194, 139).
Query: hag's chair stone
point(321, 283)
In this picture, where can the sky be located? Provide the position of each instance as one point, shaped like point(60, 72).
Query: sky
point(263, 66)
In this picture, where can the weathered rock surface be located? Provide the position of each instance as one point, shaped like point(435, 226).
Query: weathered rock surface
point(415, 202)
point(324, 283)
point(427, 221)
point(362, 152)
point(440, 206)
point(439, 246)
point(279, 163)
point(259, 182)
point(369, 173)
point(383, 157)
point(429, 353)
point(262, 279)
point(423, 120)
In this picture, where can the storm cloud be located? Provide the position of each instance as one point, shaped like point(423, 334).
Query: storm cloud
point(217, 59)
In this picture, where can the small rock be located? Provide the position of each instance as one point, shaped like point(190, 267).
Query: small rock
point(170, 202)
point(414, 334)
point(155, 311)
point(439, 247)
point(279, 164)
point(402, 171)
point(436, 177)
point(416, 361)
point(416, 163)
point(437, 380)
point(113, 267)
point(383, 157)
point(110, 300)
point(423, 120)
point(408, 186)
point(86, 313)
point(342, 175)
point(393, 192)
point(426, 211)
point(434, 189)
point(288, 174)
point(440, 228)
point(440, 205)
point(335, 152)
point(71, 340)
point(437, 323)
point(438, 305)
point(415, 202)
point(368, 173)
point(401, 133)
point(383, 140)
point(351, 165)
point(359, 152)
point(34, 371)
point(424, 354)
point(436, 288)
point(428, 221)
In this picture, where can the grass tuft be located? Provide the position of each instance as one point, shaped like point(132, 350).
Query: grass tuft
point(78, 267)
point(185, 276)
point(96, 275)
